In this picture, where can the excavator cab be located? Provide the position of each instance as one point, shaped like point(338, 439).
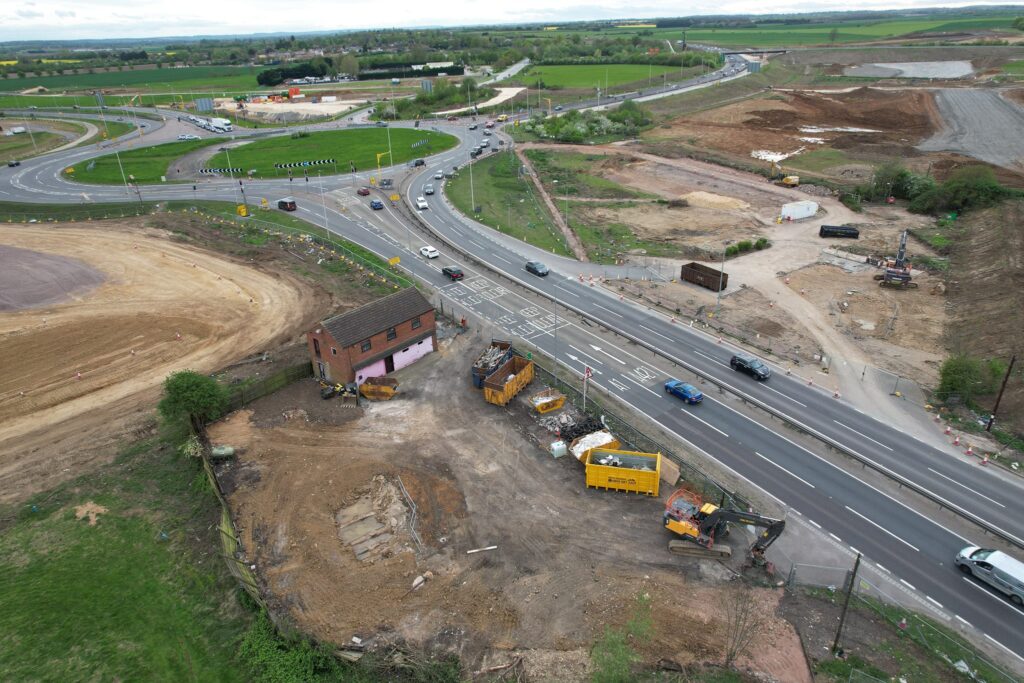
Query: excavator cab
point(699, 524)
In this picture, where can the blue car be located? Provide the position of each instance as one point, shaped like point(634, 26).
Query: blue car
point(687, 392)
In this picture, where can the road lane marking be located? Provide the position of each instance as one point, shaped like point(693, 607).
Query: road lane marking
point(686, 412)
point(657, 333)
point(907, 584)
point(609, 310)
point(815, 524)
point(786, 397)
point(641, 385)
point(961, 619)
point(501, 259)
point(883, 568)
point(968, 488)
point(934, 601)
point(861, 434)
point(600, 350)
point(836, 537)
point(618, 385)
point(586, 354)
point(567, 291)
point(713, 360)
point(772, 462)
point(881, 528)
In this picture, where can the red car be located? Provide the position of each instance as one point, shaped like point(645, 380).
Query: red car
point(363, 192)
point(453, 118)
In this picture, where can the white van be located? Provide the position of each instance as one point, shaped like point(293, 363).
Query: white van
point(997, 569)
point(421, 203)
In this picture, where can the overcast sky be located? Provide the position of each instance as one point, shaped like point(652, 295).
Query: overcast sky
point(74, 19)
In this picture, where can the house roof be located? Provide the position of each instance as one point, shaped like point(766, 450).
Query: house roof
point(362, 323)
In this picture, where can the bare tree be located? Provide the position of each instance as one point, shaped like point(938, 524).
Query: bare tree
point(744, 620)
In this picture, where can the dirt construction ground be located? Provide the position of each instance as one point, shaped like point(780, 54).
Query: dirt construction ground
point(81, 366)
point(317, 500)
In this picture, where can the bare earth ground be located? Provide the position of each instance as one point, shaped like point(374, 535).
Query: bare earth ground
point(123, 339)
point(568, 559)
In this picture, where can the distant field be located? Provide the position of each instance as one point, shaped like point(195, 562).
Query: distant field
point(146, 164)
point(205, 78)
point(1016, 68)
point(592, 75)
point(360, 146)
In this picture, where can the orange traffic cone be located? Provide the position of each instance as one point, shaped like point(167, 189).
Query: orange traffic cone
point(956, 440)
point(984, 459)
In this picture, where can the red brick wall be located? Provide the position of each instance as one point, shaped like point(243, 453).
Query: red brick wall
point(340, 365)
point(379, 342)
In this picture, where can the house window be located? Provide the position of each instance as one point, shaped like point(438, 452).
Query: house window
point(419, 343)
point(366, 345)
point(316, 347)
point(334, 351)
point(416, 324)
point(392, 333)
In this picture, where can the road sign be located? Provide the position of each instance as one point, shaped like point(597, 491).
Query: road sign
point(394, 197)
point(394, 261)
point(373, 181)
point(264, 204)
point(70, 170)
point(587, 372)
point(242, 210)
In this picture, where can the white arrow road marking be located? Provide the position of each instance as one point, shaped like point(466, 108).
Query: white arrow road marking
point(584, 364)
point(600, 350)
point(584, 353)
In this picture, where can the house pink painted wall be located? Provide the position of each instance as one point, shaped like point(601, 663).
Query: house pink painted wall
point(411, 354)
point(372, 370)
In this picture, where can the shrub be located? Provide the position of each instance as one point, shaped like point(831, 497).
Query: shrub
point(761, 243)
point(967, 377)
point(851, 201)
point(732, 250)
point(744, 245)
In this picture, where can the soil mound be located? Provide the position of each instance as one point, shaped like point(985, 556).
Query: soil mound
point(30, 279)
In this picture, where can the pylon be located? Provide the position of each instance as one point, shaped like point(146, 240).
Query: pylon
point(949, 430)
point(956, 440)
point(673, 320)
point(787, 280)
point(719, 339)
point(78, 375)
point(970, 450)
point(789, 371)
point(771, 304)
point(810, 382)
point(177, 335)
point(984, 459)
point(835, 394)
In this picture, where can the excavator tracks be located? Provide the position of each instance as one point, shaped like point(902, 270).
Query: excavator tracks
point(688, 549)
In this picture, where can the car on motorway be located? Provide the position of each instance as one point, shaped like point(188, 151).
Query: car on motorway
point(13, 162)
point(363, 192)
point(418, 162)
point(382, 124)
point(487, 132)
point(286, 204)
point(687, 392)
point(453, 118)
point(421, 203)
point(452, 273)
point(472, 126)
point(558, 107)
point(429, 252)
point(537, 268)
point(376, 204)
point(183, 137)
point(439, 175)
point(428, 189)
point(485, 143)
point(997, 569)
point(750, 365)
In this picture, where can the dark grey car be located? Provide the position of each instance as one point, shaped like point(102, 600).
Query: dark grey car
point(750, 365)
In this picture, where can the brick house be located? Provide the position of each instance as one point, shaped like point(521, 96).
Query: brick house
point(375, 339)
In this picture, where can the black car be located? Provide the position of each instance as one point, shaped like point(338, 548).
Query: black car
point(13, 163)
point(750, 365)
point(537, 268)
point(452, 273)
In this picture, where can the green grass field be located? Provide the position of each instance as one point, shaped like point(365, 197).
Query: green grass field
point(205, 78)
point(603, 239)
point(131, 598)
point(22, 146)
point(1016, 68)
point(571, 171)
point(507, 203)
point(359, 146)
point(146, 164)
point(563, 76)
point(818, 160)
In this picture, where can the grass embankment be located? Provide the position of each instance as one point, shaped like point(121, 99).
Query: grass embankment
point(22, 212)
point(359, 147)
point(146, 164)
point(23, 146)
point(138, 596)
point(605, 239)
point(604, 76)
point(508, 202)
point(193, 78)
point(568, 174)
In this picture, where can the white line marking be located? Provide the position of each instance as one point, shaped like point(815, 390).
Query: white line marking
point(584, 353)
point(567, 291)
point(600, 350)
point(863, 435)
point(959, 618)
point(787, 397)
point(657, 333)
point(968, 488)
point(713, 360)
point(609, 310)
point(502, 259)
point(815, 524)
point(641, 385)
point(908, 585)
point(507, 310)
point(855, 551)
point(772, 462)
point(883, 568)
point(934, 601)
point(836, 537)
point(880, 528)
point(686, 412)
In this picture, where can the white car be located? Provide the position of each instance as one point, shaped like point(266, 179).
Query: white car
point(421, 203)
point(439, 175)
point(429, 252)
point(183, 137)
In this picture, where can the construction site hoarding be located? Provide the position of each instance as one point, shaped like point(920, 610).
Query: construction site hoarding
point(709, 278)
point(630, 471)
point(508, 380)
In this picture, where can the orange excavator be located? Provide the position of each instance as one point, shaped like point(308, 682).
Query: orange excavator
point(700, 524)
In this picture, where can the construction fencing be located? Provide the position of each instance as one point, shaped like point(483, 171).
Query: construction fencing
point(246, 393)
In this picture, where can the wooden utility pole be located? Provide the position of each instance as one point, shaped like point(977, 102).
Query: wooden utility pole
point(1006, 377)
point(846, 604)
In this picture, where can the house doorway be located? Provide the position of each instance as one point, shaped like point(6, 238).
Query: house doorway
point(389, 364)
point(321, 369)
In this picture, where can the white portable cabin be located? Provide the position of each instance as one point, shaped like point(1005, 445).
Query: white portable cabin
point(794, 211)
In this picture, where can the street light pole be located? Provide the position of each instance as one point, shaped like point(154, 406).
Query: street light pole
point(1002, 388)
point(721, 278)
point(323, 203)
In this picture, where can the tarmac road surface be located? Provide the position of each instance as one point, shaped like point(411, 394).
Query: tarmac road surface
point(982, 124)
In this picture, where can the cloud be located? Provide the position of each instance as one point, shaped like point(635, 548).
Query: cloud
point(64, 13)
point(29, 14)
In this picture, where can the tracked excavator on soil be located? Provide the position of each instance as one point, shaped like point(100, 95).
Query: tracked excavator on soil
point(896, 273)
point(700, 524)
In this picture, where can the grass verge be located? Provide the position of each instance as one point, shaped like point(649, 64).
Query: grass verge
point(359, 147)
point(20, 212)
point(568, 174)
point(508, 202)
point(604, 239)
point(138, 596)
point(146, 164)
point(559, 76)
